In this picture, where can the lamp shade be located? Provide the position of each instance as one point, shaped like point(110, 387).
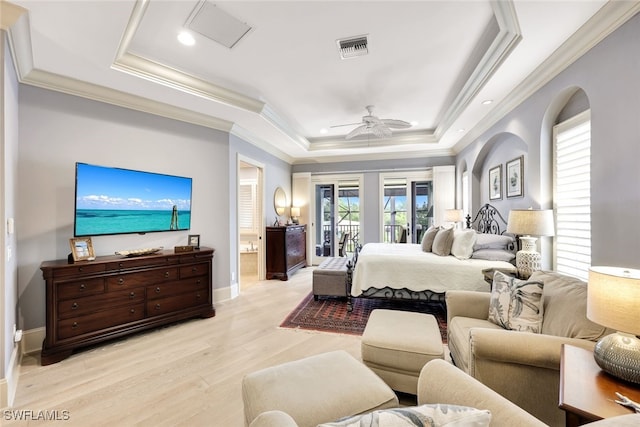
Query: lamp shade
point(295, 211)
point(531, 222)
point(453, 215)
point(613, 298)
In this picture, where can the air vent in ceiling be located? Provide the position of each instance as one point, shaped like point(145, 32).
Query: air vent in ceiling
point(353, 46)
point(216, 24)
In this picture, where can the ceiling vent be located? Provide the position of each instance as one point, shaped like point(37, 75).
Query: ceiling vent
point(353, 46)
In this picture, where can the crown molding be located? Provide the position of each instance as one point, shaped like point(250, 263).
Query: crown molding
point(362, 157)
point(251, 138)
point(405, 138)
point(608, 19)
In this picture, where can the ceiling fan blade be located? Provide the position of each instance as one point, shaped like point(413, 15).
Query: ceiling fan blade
point(396, 124)
point(381, 131)
point(360, 130)
point(347, 124)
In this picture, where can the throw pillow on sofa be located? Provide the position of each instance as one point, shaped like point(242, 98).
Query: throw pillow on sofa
point(516, 304)
point(419, 416)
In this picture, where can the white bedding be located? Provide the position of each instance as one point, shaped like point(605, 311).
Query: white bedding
point(407, 266)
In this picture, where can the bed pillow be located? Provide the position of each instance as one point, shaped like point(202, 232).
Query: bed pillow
point(463, 241)
point(492, 241)
point(494, 255)
point(427, 239)
point(424, 415)
point(516, 304)
point(442, 242)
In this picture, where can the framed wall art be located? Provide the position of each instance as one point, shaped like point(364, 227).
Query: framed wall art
point(515, 177)
point(81, 249)
point(495, 183)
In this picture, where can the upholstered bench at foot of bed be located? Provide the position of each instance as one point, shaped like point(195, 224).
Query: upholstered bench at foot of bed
point(330, 278)
point(316, 389)
point(397, 344)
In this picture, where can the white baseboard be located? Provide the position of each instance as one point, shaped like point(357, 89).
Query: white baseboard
point(224, 294)
point(9, 384)
point(32, 340)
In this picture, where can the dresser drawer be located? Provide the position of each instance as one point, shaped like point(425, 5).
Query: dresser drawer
point(78, 269)
point(80, 288)
point(132, 280)
point(191, 284)
point(86, 305)
point(177, 302)
point(79, 325)
point(194, 270)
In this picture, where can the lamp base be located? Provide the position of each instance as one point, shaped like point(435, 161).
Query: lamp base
point(619, 355)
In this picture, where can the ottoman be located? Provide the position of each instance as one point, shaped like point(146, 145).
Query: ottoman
point(316, 389)
point(397, 344)
point(330, 278)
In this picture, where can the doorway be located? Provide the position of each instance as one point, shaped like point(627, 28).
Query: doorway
point(250, 223)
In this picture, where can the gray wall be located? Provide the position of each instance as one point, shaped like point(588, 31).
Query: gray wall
point(57, 130)
point(608, 75)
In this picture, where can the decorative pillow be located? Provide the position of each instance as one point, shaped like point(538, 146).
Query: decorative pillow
point(427, 239)
point(462, 246)
point(422, 416)
point(492, 241)
point(494, 255)
point(516, 304)
point(442, 242)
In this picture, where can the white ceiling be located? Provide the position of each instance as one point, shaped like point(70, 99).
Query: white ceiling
point(432, 62)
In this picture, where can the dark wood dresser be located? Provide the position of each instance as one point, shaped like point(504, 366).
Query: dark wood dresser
point(286, 249)
point(89, 302)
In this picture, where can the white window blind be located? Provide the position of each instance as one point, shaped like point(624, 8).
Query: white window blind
point(247, 212)
point(572, 195)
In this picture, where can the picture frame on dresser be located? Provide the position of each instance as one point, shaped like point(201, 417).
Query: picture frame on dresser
point(194, 240)
point(81, 248)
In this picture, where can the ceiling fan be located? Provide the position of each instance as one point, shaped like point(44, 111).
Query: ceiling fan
point(371, 124)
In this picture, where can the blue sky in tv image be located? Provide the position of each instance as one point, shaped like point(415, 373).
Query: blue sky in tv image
point(113, 201)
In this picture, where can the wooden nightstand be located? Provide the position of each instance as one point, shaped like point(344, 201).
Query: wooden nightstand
point(489, 272)
point(586, 392)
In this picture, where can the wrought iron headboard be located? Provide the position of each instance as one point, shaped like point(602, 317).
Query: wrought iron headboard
point(486, 221)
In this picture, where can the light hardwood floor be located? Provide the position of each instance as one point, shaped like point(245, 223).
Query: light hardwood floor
point(188, 374)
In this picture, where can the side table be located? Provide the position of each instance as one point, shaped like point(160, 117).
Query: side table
point(586, 392)
point(489, 272)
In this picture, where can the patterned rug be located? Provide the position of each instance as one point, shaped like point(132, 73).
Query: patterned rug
point(331, 315)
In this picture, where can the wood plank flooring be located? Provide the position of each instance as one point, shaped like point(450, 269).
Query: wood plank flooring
point(188, 374)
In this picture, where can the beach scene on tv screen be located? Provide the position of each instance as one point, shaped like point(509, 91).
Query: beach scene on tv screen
point(118, 201)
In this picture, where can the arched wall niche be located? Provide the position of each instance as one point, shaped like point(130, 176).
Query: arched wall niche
point(568, 103)
point(498, 150)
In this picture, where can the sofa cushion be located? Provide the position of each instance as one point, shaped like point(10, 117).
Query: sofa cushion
point(431, 415)
point(516, 304)
point(443, 241)
point(565, 307)
point(427, 239)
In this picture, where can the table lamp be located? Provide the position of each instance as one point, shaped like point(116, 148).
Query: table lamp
point(295, 213)
point(453, 215)
point(613, 300)
point(527, 223)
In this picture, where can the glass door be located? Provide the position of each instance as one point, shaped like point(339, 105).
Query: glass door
point(407, 207)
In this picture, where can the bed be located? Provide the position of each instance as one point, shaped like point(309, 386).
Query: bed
point(406, 271)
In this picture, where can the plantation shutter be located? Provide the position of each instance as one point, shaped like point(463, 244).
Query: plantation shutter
point(572, 195)
point(247, 212)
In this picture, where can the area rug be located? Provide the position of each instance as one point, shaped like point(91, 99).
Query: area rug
point(331, 315)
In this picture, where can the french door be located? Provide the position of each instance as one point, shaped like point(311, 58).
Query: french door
point(406, 206)
point(335, 229)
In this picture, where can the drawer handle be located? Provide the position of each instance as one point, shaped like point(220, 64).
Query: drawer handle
point(133, 310)
point(80, 269)
point(194, 269)
point(157, 306)
point(157, 290)
point(120, 265)
point(198, 296)
point(74, 306)
point(75, 325)
point(166, 274)
point(198, 281)
point(120, 281)
point(82, 287)
point(132, 295)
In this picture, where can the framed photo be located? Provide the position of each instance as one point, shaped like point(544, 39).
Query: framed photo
point(495, 183)
point(194, 240)
point(515, 177)
point(81, 248)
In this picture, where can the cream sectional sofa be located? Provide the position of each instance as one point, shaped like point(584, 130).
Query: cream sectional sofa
point(522, 366)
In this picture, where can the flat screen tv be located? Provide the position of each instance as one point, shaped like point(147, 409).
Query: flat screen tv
point(120, 201)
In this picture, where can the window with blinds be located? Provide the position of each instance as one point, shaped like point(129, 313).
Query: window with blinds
point(572, 195)
point(247, 208)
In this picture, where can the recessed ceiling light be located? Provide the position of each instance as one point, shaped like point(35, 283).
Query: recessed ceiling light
point(487, 101)
point(186, 38)
point(461, 130)
point(414, 123)
point(323, 131)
